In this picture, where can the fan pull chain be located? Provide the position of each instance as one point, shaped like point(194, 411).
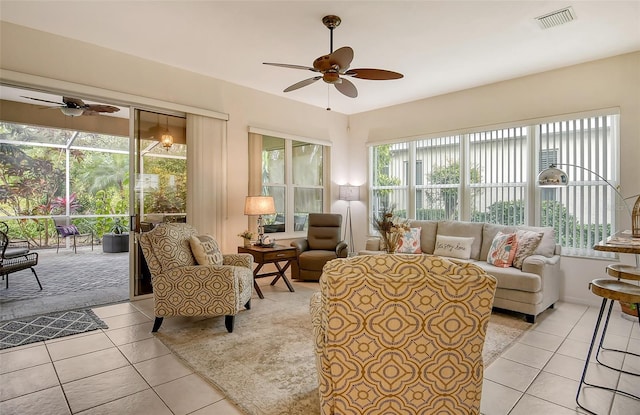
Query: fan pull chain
point(328, 96)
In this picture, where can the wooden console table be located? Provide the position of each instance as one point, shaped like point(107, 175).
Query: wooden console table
point(274, 255)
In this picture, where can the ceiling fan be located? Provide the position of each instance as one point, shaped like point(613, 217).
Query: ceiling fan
point(335, 66)
point(75, 107)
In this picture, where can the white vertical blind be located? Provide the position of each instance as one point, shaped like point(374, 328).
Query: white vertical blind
point(489, 176)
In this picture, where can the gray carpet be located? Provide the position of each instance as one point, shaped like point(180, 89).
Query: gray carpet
point(69, 281)
point(46, 327)
point(267, 365)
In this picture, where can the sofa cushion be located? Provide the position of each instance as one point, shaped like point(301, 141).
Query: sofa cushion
point(503, 250)
point(316, 259)
point(409, 243)
point(453, 246)
point(464, 229)
point(427, 235)
point(67, 230)
point(528, 241)
point(512, 278)
point(489, 231)
point(547, 246)
point(205, 249)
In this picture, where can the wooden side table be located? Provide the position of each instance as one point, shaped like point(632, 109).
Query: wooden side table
point(274, 255)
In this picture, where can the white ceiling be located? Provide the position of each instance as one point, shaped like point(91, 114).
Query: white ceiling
point(439, 46)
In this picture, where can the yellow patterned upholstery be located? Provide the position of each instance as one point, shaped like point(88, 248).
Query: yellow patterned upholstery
point(401, 334)
point(183, 288)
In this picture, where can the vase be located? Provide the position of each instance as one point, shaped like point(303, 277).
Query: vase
point(247, 243)
point(391, 242)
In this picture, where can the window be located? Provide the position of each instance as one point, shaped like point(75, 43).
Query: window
point(583, 213)
point(489, 176)
point(293, 172)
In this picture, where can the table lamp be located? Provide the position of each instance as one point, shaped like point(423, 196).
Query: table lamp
point(259, 205)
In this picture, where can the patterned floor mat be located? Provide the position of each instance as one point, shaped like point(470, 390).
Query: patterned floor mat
point(46, 327)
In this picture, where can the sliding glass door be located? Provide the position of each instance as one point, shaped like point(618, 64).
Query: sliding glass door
point(159, 187)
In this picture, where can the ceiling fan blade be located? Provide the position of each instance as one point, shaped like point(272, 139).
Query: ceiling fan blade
point(342, 57)
point(300, 84)
point(286, 65)
point(96, 108)
point(374, 74)
point(346, 87)
point(43, 100)
point(73, 102)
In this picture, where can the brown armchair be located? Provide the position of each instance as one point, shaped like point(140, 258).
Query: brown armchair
point(323, 243)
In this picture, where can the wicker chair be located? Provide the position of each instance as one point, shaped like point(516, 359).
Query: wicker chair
point(401, 334)
point(182, 287)
point(16, 259)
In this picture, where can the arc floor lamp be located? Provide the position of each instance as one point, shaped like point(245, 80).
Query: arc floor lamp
point(552, 176)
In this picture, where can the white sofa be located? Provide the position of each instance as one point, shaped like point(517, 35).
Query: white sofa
point(529, 290)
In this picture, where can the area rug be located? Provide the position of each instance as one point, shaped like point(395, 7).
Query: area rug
point(267, 365)
point(46, 327)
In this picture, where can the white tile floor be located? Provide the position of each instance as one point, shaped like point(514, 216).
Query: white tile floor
point(125, 370)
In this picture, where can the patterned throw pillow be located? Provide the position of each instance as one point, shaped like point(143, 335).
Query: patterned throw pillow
point(527, 242)
point(503, 250)
point(410, 242)
point(453, 246)
point(67, 230)
point(206, 250)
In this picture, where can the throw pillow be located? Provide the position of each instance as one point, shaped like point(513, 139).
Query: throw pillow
point(503, 250)
point(205, 249)
point(453, 246)
point(527, 243)
point(67, 230)
point(410, 242)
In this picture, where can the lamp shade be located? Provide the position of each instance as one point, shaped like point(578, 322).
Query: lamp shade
point(552, 177)
point(259, 205)
point(349, 193)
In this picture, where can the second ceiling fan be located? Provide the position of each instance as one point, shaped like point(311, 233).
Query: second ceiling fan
point(335, 66)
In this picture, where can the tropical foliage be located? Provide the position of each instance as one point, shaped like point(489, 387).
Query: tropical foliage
point(33, 181)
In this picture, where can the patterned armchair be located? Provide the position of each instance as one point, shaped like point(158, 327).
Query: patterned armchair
point(401, 334)
point(209, 284)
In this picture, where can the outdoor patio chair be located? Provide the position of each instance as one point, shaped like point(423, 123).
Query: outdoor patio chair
point(16, 259)
point(69, 231)
point(15, 242)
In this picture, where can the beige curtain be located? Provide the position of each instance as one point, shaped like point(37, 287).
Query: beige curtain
point(206, 175)
point(255, 165)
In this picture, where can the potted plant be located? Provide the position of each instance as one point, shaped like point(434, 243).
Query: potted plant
point(117, 240)
point(246, 237)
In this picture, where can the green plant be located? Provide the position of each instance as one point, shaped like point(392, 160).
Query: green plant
point(118, 227)
point(247, 234)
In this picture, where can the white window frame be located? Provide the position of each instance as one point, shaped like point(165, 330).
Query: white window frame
point(532, 193)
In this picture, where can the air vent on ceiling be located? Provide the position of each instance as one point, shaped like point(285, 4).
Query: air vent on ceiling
point(556, 18)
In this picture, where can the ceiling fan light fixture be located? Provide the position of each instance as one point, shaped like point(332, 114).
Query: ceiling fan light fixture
point(332, 78)
point(72, 112)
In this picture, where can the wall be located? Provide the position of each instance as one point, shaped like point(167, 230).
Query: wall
point(613, 82)
point(37, 53)
point(606, 83)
